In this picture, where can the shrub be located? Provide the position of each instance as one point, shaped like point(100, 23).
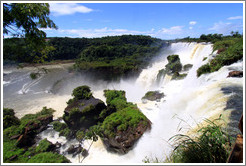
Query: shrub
point(80, 135)
point(9, 118)
point(82, 92)
point(203, 69)
point(34, 76)
point(66, 133)
point(173, 58)
point(113, 94)
point(174, 64)
point(58, 126)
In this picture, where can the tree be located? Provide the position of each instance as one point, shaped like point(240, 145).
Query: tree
point(25, 20)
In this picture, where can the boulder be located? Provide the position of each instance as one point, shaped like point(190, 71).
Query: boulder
point(178, 76)
point(187, 67)
point(153, 95)
point(125, 140)
point(27, 138)
point(236, 155)
point(84, 113)
point(235, 74)
point(75, 150)
point(174, 64)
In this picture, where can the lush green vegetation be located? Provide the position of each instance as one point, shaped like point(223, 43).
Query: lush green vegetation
point(211, 145)
point(43, 146)
point(126, 115)
point(28, 119)
point(13, 153)
point(213, 38)
point(48, 157)
point(173, 67)
point(174, 64)
point(230, 50)
point(9, 118)
point(79, 93)
point(82, 92)
point(114, 56)
point(153, 95)
point(63, 129)
point(121, 120)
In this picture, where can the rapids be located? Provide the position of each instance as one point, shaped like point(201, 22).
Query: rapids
point(186, 103)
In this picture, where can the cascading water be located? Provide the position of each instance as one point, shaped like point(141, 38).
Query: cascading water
point(186, 102)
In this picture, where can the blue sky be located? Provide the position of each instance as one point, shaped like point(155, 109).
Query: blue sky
point(161, 20)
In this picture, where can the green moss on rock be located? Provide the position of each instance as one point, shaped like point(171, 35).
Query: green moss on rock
point(44, 146)
point(153, 95)
point(187, 67)
point(177, 76)
point(121, 120)
point(174, 64)
point(48, 157)
point(9, 118)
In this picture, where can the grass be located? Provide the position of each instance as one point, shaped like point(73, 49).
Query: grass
point(211, 145)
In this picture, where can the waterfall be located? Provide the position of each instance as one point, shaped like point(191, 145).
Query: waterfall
point(186, 103)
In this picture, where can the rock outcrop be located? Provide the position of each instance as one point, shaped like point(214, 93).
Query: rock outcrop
point(32, 129)
point(235, 74)
point(173, 68)
point(125, 140)
point(153, 95)
point(83, 113)
point(122, 123)
point(236, 155)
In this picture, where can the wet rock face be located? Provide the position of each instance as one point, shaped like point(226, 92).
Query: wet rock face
point(153, 95)
point(235, 74)
point(75, 150)
point(31, 129)
point(124, 141)
point(83, 113)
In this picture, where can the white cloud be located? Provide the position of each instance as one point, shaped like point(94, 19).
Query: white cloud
point(172, 30)
point(235, 18)
point(68, 8)
point(164, 33)
point(226, 28)
point(91, 33)
point(190, 27)
point(192, 22)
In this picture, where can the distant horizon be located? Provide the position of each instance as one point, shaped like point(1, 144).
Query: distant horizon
point(163, 20)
